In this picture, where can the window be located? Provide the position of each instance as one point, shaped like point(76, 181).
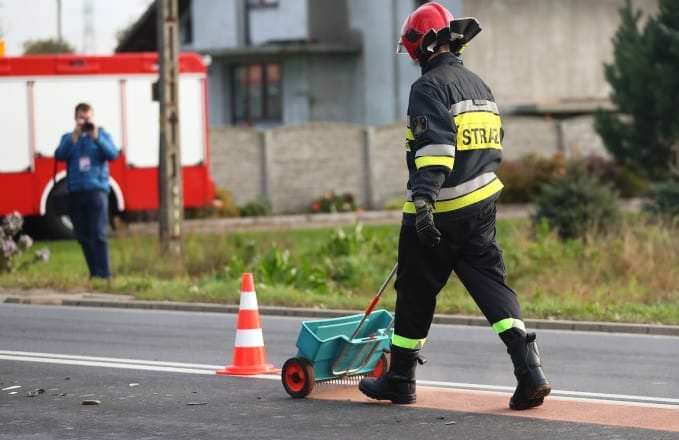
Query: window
point(262, 4)
point(256, 94)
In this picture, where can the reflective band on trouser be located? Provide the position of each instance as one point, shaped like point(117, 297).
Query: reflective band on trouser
point(478, 130)
point(436, 150)
point(249, 338)
point(411, 344)
point(461, 189)
point(248, 301)
point(248, 320)
point(429, 161)
point(476, 196)
point(507, 323)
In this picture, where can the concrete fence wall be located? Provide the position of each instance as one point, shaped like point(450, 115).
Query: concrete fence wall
point(291, 166)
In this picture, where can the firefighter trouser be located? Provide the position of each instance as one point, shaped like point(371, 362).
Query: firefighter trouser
point(467, 247)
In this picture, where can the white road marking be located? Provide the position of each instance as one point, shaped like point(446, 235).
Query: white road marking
point(188, 368)
point(120, 365)
point(108, 359)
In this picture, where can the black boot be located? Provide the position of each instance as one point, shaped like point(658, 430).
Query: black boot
point(533, 386)
point(398, 384)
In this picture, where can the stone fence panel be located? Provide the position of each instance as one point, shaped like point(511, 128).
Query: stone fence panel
point(291, 166)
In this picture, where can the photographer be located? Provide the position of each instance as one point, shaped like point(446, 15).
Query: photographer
point(86, 151)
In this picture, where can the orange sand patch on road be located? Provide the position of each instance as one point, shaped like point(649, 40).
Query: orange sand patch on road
point(564, 409)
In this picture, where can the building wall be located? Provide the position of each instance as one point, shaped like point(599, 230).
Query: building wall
point(286, 22)
point(216, 24)
point(334, 96)
point(540, 50)
point(296, 91)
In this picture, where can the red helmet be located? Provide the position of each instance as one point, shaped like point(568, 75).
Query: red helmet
point(424, 29)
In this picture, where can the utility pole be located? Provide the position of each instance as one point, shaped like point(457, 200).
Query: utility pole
point(169, 165)
point(89, 38)
point(60, 36)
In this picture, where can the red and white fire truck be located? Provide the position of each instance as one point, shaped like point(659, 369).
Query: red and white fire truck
point(37, 97)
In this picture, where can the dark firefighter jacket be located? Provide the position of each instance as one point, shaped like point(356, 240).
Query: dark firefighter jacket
point(453, 140)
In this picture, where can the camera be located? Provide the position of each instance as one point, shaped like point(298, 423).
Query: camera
point(88, 126)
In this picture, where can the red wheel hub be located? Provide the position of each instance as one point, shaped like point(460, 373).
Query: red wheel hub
point(295, 376)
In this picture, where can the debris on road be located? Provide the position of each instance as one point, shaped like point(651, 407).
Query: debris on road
point(450, 423)
point(35, 392)
point(13, 387)
point(196, 403)
point(132, 385)
point(90, 402)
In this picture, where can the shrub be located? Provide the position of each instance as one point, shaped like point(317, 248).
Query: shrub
point(275, 267)
point(523, 178)
point(664, 199)
point(222, 206)
point(13, 244)
point(331, 202)
point(256, 208)
point(626, 182)
point(577, 203)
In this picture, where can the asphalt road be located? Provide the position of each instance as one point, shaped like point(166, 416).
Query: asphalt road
point(576, 362)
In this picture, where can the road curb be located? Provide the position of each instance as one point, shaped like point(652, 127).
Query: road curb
point(546, 324)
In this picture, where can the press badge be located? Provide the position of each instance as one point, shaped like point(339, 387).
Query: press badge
point(84, 164)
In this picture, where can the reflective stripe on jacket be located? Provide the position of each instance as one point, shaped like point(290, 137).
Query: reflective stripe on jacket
point(453, 139)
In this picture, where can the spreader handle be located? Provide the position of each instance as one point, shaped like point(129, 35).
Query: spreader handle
point(375, 300)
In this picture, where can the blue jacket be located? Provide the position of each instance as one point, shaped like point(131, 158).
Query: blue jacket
point(87, 161)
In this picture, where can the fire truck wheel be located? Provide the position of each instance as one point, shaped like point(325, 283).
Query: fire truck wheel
point(57, 223)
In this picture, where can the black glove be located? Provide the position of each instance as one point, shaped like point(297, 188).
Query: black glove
point(424, 223)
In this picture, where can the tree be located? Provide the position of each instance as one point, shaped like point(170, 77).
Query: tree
point(47, 46)
point(644, 76)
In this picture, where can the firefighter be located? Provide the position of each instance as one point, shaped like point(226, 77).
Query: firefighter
point(453, 148)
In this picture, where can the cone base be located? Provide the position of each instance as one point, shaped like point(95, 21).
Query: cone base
point(235, 370)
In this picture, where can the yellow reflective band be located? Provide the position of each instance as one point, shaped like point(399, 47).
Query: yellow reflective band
point(409, 135)
point(478, 130)
point(469, 199)
point(429, 161)
point(411, 344)
point(507, 323)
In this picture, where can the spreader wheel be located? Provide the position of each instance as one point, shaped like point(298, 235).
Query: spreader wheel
point(298, 377)
point(381, 367)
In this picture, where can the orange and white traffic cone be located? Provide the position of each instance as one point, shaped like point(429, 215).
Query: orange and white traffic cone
point(249, 355)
